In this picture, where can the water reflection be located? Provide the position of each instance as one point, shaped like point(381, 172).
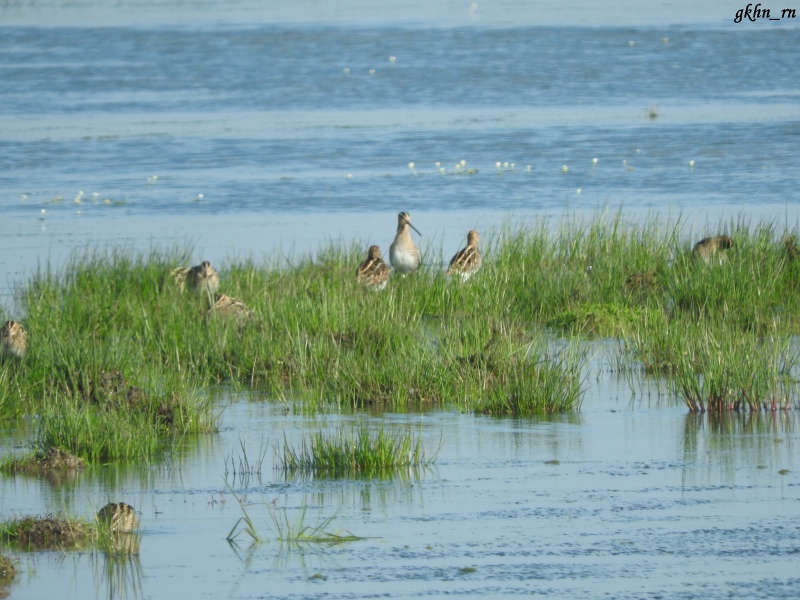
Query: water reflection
point(717, 447)
point(114, 481)
point(119, 575)
point(618, 479)
point(242, 468)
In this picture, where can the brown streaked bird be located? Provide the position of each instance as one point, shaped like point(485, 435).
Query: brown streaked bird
point(403, 253)
point(711, 247)
point(644, 281)
point(120, 517)
point(13, 339)
point(467, 261)
point(373, 272)
point(226, 306)
point(202, 278)
point(791, 246)
point(179, 276)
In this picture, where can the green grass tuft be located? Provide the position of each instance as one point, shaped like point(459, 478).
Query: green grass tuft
point(116, 352)
point(357, 451)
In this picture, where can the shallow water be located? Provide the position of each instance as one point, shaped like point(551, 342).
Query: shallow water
point(250, 106)
point(630, 497)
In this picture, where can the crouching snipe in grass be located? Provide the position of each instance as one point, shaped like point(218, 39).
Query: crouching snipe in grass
point(791, 246)
point(120, 517)
point(202, 278)
point(466, 262)
point(373, 272)
point(403, 253)
point(711, 247)
point(13, 339)
point(230, 307)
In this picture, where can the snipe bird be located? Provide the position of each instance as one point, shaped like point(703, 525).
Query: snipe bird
point(403, 253)
point(13, 339)
point(226, 306)
point(202, 278)
point(712, 247)
point(467, 261)
point(120, 517)
point(373, 272)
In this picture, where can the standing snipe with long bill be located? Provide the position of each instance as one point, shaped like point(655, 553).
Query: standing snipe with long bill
point(403, 253)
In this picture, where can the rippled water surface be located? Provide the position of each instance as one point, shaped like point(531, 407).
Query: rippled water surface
point(265, 131)
point(630, 498)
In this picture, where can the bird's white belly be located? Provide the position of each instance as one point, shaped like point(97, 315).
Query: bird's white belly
point(402, 260)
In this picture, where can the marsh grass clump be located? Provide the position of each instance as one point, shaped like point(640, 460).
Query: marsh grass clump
point(42, 462)
point(49, 532)
point(298, 531)
point(99, 388)
point(719, 372)
point(550, 383)
point(46, 533)
point(715, 366)
point(116, 352)
point(357, 451)
point(656, 343)
point(8, 571)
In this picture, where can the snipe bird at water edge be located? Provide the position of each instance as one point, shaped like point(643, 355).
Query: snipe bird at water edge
point(403, 253)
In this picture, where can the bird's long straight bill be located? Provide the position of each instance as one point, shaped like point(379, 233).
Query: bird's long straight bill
point(414, 228)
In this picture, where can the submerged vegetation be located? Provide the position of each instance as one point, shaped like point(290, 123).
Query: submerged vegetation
point(288, 531)
point(117, 352)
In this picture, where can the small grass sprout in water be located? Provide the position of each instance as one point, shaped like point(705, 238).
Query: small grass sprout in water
point(286, 530)
point(240, 466)
point(296, 530)
point(354, 451)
